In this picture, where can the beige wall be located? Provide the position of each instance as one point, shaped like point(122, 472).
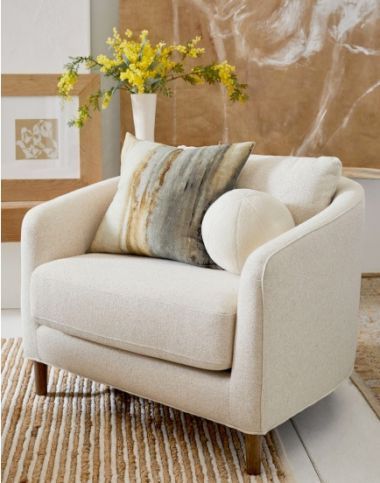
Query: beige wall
point(312, 69)
point(55, 30)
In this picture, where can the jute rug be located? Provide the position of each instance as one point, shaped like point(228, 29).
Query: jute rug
point(84, 431)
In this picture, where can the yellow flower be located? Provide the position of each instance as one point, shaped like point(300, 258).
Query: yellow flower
point(225, 72)
point(135, 77)
point(197, 79)
point(195, 52)
point(106, 63)
point(181, 49)
point(106, 99)
point(196, 40)
point(165, 66)
point(131, 51)
point(190, 48)
point(138, 66)
point(82, 117)
point(66, 83)
point(147, 56)
point(115, 40)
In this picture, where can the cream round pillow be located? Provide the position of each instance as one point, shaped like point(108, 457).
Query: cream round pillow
point(240, 221)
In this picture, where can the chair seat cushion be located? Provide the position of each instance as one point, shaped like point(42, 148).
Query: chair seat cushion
point(159, 308)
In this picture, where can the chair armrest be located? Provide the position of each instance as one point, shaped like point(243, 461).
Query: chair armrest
point(59, 228)
point(298, 313)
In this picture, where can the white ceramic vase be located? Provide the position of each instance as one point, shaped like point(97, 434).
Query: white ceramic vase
point(144, 115)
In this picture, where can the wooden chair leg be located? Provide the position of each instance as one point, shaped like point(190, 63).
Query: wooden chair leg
point(253, 453)
point(40, 378)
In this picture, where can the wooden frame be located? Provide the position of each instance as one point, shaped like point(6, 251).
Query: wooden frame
point(19, 195)
point(12, 214)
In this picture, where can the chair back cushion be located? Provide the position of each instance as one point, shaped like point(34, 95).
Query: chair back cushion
point(305, 185)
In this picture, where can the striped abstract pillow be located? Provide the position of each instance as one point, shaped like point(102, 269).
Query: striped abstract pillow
point(162, 196)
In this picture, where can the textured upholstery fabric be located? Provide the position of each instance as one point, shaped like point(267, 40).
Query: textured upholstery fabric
point(305, 185)
point(159, 308)
point(60, 228)
point(239, 222)
point(166, 382)
point(296, 324)
point(298, 303)
point(162, 196)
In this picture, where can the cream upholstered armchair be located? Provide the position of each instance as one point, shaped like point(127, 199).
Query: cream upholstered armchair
point(247, 351)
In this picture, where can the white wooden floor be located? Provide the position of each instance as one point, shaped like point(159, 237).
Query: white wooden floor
point(336, 440)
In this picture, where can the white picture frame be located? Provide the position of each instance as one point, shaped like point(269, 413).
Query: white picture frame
point(37, 142)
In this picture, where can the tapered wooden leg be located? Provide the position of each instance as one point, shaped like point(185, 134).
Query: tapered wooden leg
point(40, 378)
point(253, 453)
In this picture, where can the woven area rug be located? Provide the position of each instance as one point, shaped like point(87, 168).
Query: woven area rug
point(84, 431)
point(367, 364)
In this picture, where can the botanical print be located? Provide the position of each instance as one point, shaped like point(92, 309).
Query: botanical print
point(36, 139)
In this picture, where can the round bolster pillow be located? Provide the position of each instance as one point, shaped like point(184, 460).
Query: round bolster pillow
point(239, 222)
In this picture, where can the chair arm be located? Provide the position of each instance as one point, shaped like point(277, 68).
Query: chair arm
point(59, 228)
point(298, 313)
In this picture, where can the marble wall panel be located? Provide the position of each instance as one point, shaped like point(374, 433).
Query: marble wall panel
point(313, 69)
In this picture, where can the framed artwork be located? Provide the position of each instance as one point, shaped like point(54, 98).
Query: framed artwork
point(307, 97)
point(42, 157)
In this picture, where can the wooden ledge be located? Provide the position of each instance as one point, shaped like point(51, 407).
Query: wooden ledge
point(12, 214)
point(362, 173)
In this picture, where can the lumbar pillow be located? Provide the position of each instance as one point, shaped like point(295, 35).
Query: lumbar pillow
point(306, 185)
point(239, 222)
point(162, 196)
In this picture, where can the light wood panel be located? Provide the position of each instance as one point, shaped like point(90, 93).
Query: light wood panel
point(12, 214)
point(39, 84)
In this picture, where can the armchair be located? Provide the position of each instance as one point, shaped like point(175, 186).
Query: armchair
point(247, 351)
